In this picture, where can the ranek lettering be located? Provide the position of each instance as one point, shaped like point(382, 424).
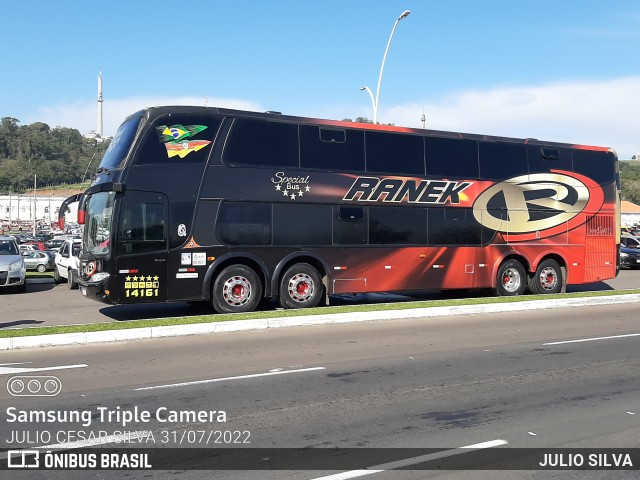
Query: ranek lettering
point(393, 190)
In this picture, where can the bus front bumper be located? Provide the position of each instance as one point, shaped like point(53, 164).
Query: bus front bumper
point(97, 291)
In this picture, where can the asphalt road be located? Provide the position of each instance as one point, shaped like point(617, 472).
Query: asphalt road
point(437, 383)
point(47, 304)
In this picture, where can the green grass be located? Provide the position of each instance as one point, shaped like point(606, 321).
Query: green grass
point(34, 274)
point(99, 327)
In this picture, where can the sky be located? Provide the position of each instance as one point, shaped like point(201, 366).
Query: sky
point(566, 71)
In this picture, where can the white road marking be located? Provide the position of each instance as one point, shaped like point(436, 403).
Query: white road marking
point(412, 461)
point(225, 379)
point(17, 370)
point(593, 339)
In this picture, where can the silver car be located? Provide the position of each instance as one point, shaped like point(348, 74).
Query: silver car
point(40, 261)
point(12, 268)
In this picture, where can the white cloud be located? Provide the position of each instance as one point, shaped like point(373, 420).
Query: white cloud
point(83, 115)
point(604, 113)
point(601, 113)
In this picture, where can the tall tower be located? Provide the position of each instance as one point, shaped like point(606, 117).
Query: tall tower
point(99, 130)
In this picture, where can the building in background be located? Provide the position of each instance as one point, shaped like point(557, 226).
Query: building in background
point(19, 210)
point(629, 214)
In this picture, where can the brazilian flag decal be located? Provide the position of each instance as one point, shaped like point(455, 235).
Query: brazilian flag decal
point(178, 139)
point(175, 133)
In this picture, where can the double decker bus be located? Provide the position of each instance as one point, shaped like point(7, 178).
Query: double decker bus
point(232, 207)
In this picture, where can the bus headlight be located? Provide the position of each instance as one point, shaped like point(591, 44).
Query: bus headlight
point(98, 277)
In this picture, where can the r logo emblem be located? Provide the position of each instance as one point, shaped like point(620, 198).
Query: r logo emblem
point(541, 204)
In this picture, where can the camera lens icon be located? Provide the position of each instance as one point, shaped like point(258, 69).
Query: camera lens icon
point(34, 386)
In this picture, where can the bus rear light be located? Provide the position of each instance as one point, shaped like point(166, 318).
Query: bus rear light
point(133, 270)
point(438, 266)
point(81, 214)
point(340, 268)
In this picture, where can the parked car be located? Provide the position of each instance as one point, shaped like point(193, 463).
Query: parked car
point(40, 261)
point(12, 269)
point(24, 248)
point(38, 244)
point(630, 241)
point(54, 244)
point(67, 263)
point(629, 257)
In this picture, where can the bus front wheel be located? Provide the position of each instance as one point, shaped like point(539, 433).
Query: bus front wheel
point(236, 289)
point(300, 287)
point(547, 279)
point(511, 279)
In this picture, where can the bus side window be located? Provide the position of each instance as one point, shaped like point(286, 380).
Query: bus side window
point(258, 143)
point(331, 149)
point(349, 225)
point(242, 223)
point(451, 158)
point(394, 153)
point(501, 160)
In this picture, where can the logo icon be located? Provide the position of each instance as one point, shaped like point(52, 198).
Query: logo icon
point(34, 386)
point(536, 206)
point(18, 459)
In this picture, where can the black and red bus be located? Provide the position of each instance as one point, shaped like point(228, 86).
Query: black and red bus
point(232, 207)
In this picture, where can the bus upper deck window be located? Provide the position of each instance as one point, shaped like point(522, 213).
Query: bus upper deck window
point(332, 135)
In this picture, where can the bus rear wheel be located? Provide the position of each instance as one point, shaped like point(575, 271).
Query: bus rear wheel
point(511, 279)
point(236, 289)
point(547, 279)
point(300, 287)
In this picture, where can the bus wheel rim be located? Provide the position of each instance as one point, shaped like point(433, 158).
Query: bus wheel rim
point(511, 280)
point(236, 291)
point(301, 287)
point(548, 278)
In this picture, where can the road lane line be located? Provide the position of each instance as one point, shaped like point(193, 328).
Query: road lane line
point(15, 370)
point(593, 339)
point(412, 461)
point(225, 379)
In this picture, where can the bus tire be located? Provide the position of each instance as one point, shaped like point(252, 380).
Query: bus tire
point(300, 287)
point(547, 279)
point(511, 279)
point(236, 289)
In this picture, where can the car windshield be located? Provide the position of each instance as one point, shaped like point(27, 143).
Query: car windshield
point(7, 247)
point(97, 229)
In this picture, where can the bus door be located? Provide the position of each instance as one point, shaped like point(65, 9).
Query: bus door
point(141, 262)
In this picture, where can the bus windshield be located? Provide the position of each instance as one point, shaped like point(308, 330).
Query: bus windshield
point(120, 144)
point(98, 221)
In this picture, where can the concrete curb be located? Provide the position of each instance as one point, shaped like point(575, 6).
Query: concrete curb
point(83, 338)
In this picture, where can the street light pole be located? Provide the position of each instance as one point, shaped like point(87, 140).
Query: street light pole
point(404, 14)
point(373, 102)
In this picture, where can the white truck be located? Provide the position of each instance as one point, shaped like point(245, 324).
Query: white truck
point(67, 263)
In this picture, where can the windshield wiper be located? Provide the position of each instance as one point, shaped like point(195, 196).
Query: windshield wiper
point(103, 170)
